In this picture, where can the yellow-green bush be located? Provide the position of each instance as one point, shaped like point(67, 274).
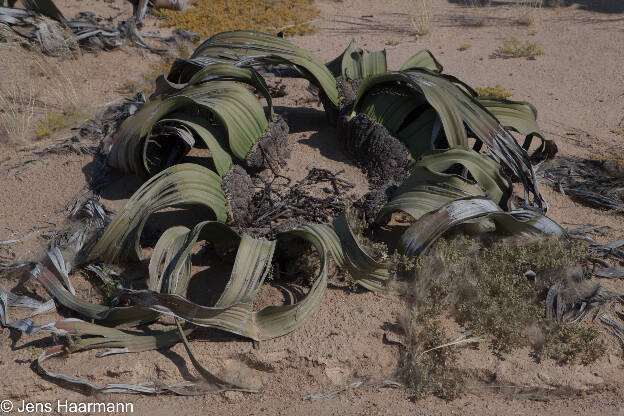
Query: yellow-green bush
point(496, 91)
point(513, 48)
point(54, 122)
point(208, 17)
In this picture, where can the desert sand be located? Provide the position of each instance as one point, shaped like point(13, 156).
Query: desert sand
point(578, 89)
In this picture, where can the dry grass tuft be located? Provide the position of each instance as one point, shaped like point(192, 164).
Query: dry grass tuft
point(421, 17)
point(528, 11)
point(18, 95)
point(478, 16)
point(34, 90)
point(208, 17)
point(147, 83)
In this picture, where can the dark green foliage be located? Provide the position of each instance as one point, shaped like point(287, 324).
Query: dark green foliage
point(568, 344)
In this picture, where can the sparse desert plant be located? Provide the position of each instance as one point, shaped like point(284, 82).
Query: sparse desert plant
point(528, 11)
point(430, 363)
point(54, 122)
point(147, 80)
point(421, 17)
point(18, 96)
point(464, 47)
point(513, 48)
point(478, 16)
point(569, 344)
point(393, 42)
point(496, 91)
point(486, 286)
point(33, 88)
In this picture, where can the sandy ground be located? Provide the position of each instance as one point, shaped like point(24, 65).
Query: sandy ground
point(578, 89)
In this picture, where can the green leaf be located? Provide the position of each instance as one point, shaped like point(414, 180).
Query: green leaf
point(234, 311)
point(420, 134)
point(431, 226)
point(184, 184)
point(390, 105)
point(423, 59)
point(349, 254)
point(249, 47)
point(485, 171)
point(170, 264)
point(519, 116)
point(356, 63)
point(131, 315)
point(235, 107)
point(425, 191)
point(457, 109)
point(46, 8)
point(217, 72)
point(207, 133)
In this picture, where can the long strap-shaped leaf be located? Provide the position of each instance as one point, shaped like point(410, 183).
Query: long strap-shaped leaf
point(217, 72)
point(237, 108)
point(423, 59)
point(184, 184)
point(234, 106)
point(239, 45)
point(131, 315)
point(356, 63)
point(253, 260)
point(118, 341)
point(207, 133)
point(170, 263)
point(86, 336)
point(519, 116)
point(425, 191)
point(349, 254)
point(458, 109)
point(127, 151)
point(390, 105)
point(46, 8)
point(430, 226)
point(239, 318)
point(485, 171)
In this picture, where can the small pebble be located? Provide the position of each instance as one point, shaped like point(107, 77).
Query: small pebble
point(530, 273)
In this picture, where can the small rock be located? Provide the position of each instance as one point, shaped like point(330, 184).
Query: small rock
point(337, 375)
point(233, 396)
point(530, 274)
point(545, 377)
